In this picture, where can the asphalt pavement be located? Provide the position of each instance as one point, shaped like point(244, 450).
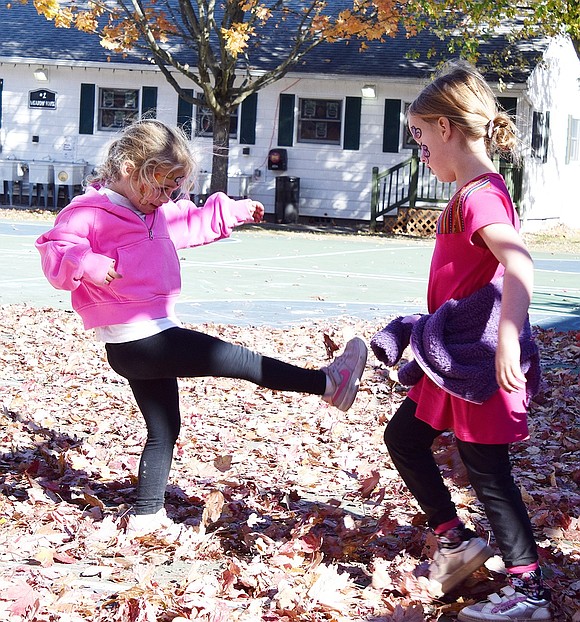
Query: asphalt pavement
point(278, 276)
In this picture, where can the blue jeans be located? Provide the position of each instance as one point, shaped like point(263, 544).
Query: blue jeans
point(152, 366)
point(409, 442)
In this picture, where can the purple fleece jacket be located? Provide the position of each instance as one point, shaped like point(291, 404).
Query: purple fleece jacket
point(455, 346)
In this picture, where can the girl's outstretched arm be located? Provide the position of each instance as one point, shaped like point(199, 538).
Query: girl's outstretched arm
point(509, 249)
point(190, 225)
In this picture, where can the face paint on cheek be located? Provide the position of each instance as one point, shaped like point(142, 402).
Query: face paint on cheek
point(416, 133)
point(425, 154)
point(144, 194)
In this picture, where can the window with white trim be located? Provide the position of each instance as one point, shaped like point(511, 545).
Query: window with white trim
point(117, 108)
point(320, 121)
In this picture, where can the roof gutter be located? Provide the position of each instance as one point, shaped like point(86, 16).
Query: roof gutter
point(81, 64)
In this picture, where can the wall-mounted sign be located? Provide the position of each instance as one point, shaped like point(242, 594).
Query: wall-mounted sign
point(42, 98)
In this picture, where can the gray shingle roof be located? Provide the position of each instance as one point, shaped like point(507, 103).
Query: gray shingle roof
point(26, 35)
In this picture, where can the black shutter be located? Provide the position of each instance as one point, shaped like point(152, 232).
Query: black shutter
point(149, 103)
point(185, 113)
point(540, 133)
point(87, 109)
point(286, 120)
point(392, 126)
point(249, 114)
point(352, 123)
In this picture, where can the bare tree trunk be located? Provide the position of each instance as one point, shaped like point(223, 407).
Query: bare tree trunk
point(576, 44)
point(221, 151)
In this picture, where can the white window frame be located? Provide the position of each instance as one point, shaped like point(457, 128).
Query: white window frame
point(316, 116)
point(122, 104)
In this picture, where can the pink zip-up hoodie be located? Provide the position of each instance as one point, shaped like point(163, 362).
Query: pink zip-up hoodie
point(92, 232)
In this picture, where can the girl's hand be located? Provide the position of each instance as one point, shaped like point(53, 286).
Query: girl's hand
point(256, 211)
point(508, 371)
point(112, 274)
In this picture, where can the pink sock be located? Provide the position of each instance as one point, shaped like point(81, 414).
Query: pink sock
point(450, 524)
point(522, 569)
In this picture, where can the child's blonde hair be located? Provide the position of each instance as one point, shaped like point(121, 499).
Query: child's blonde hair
point(461, 94)
point(148, 145)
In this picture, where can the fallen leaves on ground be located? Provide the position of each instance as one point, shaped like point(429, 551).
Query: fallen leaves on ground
point(290, 510)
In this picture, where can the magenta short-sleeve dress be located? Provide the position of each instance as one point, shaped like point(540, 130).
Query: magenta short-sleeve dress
point(460, 267)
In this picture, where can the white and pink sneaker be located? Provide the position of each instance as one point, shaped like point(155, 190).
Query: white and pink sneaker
point(344, 374)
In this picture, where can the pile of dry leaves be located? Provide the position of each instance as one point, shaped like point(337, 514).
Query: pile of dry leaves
point(289, 509)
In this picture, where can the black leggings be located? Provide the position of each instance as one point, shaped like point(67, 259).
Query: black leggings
point(152, 366)
point(409, 442)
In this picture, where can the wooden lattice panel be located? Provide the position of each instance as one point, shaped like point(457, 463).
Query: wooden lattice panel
point(391, 225)
point(416, 221)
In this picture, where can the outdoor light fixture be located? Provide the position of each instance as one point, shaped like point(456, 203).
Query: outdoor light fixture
point(41, 75)
point(369, 91)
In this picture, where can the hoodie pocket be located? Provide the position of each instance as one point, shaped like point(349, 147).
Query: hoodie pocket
point(149, 269)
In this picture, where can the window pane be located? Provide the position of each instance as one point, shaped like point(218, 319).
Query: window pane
point(320, 121)
point(117, 108)
point(204, 120)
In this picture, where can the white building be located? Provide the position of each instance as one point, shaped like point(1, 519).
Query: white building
point(61, 97)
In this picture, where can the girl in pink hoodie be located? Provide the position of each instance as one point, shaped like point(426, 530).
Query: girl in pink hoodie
point(115, 249)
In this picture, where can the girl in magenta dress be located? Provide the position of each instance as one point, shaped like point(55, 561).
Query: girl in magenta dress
point(458, 127)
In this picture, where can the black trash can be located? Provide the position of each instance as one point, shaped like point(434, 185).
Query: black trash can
point(287, 199)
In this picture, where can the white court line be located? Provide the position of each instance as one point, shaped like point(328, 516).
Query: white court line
point(293, 302)
point(343, 274)
point(20, 235)
point(557, 290)
point(309, 256)
point(234, 263)
point(565, 258)
point(19, 253)
point(32, 279)
point(296, 303)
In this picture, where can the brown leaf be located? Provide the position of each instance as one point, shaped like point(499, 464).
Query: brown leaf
point(223, 463)
point(369, 484)
point(214, 504)
point(44, 556)
point(330, 346)
point(412, 613)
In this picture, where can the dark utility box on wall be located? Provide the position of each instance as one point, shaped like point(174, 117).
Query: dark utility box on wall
point(278, 160)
